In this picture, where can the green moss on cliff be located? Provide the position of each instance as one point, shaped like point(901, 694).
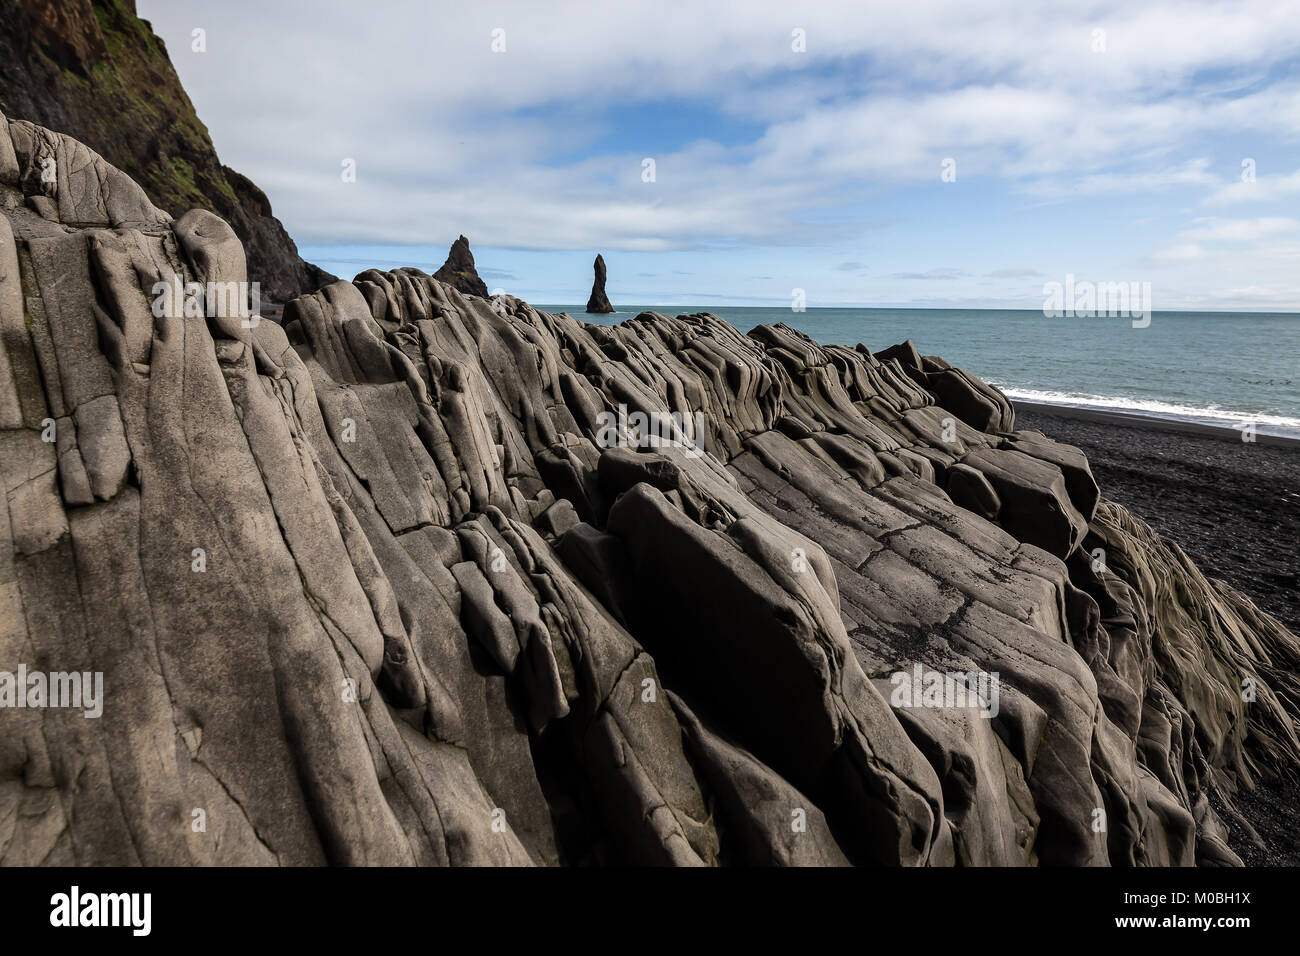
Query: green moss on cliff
point(125, 33)
point(126, 99)
point(97, 72)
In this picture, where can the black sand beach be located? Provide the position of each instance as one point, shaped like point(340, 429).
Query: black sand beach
point(1234, 508)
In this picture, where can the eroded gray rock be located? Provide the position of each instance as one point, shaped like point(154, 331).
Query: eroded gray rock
point(379, 587)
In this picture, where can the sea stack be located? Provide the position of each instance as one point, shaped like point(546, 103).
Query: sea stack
point(459, 270)
point(599, 302)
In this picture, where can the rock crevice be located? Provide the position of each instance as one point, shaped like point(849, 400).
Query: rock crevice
point(382, 585)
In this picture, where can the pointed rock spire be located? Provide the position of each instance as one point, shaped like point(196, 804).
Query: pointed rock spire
point(599, 302)
point(459, 270)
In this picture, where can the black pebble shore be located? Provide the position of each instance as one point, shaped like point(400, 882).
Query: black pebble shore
point(1234, 509)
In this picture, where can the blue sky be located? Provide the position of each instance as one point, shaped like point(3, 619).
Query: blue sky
point(1104, 140)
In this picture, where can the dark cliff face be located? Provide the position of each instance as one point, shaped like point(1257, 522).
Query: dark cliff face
point(95, 70)
point(599, 302)
point(459, 271)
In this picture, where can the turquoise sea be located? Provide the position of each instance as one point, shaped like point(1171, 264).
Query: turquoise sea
point(1222, 368)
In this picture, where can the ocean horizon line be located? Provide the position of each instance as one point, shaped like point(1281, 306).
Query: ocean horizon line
point(581, 307)
point(1079, 363)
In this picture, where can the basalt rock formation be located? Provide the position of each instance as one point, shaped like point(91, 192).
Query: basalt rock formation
point(459, 272)
point(598, 302)
point(396, 583)
point(96, 71)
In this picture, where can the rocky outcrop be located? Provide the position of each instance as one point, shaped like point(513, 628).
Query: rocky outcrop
point(598, 302)
point(427, 578)
point(459, 272)
point(96, 71)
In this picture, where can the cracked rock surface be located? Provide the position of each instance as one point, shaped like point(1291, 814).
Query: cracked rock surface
point(376, 587)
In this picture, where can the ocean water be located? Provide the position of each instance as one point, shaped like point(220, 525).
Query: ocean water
point(1219, 368)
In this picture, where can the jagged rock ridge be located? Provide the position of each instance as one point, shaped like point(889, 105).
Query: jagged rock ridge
point(437, 622)
point(96, 71)
point(459, 271)
point(598, 302)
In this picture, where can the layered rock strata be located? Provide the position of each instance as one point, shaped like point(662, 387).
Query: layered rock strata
point(388, 585)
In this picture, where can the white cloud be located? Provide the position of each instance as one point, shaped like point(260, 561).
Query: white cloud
point(1264, 188)
point(1180, 252)
point(450, 137)
point(1195, 172)
point(431, 115)
point(1241, 230)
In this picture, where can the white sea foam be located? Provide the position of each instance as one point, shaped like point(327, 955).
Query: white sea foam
point(1153, 408)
